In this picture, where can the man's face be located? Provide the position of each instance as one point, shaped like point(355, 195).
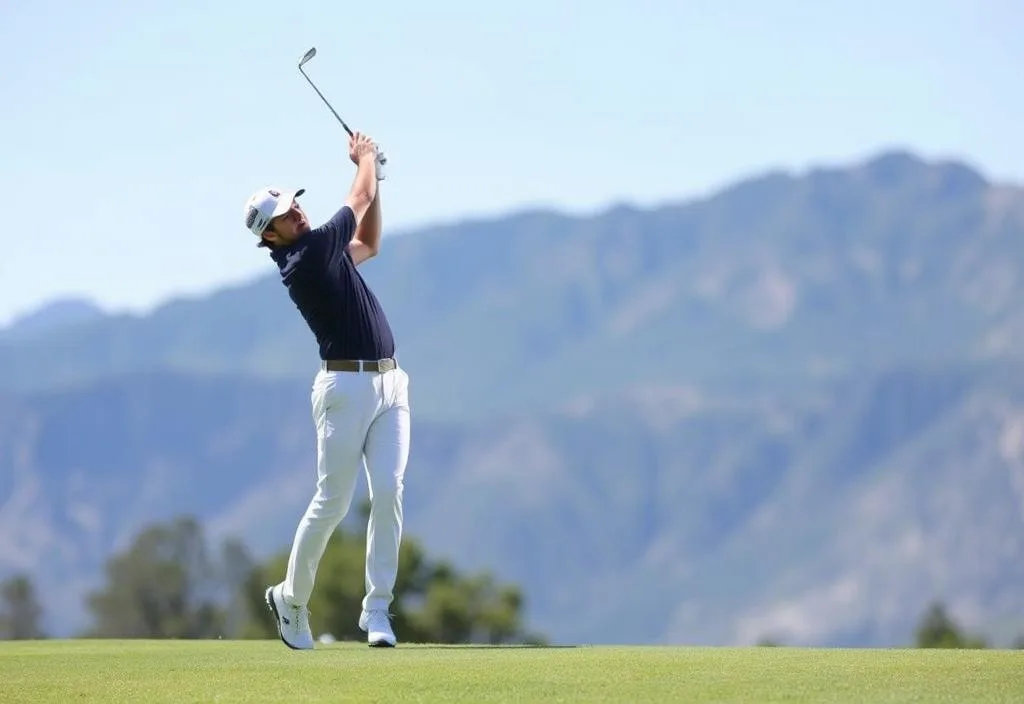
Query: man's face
point(285, 229)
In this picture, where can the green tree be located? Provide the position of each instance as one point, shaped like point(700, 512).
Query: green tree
point(168, 585)
point(471, 609)
point(235, 568)
point(433, 603)
point(937, 629)
point(20, 612)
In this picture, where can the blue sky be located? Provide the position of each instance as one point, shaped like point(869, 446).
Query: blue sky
point(133, 132)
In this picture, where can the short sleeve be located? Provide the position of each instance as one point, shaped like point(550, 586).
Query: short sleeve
point(341, 227)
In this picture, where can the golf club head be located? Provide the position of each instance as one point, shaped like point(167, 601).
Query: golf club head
point(307, 56)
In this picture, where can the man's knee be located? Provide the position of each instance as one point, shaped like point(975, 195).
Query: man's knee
point(386, 490)
point(327, 508)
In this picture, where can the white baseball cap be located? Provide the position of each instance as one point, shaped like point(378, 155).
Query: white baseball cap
point(265, 205)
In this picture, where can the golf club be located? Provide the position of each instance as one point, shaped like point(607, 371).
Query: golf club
point(306, 57)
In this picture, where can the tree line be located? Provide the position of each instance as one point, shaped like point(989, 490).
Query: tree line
point(936, 628)
point(172, 582)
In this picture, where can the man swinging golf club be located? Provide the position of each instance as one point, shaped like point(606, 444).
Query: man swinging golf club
point(359, 398)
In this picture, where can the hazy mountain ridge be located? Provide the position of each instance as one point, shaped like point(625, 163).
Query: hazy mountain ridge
point(54, 316)
point(779, 279)
point(791, 409)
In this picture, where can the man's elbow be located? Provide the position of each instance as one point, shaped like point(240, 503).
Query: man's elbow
point(361, 252)
point(360, 202)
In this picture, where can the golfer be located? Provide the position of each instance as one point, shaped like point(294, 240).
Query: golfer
point(360, 402)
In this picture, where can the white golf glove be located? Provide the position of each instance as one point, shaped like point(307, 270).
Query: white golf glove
point(380, 164)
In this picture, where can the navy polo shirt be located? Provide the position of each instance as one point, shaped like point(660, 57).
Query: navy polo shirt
point(337, 305)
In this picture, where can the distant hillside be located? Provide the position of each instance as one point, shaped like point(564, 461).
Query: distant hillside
point(52, 317)
point(779, 279)
point(661, 516)
point(794, 409)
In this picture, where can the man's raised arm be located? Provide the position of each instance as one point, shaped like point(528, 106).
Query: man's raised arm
point(364, 199)
point(366, 241)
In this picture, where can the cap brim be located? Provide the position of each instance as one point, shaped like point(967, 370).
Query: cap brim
point(285, 201)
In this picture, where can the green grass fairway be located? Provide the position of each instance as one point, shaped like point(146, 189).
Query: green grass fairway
point(266, 671)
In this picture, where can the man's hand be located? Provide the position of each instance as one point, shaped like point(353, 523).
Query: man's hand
point(360, 146)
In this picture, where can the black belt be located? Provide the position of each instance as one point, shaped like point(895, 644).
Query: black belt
point(358, 365)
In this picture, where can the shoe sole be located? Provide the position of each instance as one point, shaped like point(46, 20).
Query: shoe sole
point(268, 596)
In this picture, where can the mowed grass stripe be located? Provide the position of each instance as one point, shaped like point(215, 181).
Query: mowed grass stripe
point(266, 671)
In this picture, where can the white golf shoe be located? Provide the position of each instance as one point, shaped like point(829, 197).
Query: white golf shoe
point(292, 621)
point(377, 625)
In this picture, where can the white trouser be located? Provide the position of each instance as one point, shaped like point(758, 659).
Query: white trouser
point(362, 420)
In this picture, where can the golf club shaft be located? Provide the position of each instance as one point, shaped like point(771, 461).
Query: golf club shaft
point(325, 102)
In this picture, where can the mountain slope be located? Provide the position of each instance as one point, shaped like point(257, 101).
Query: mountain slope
point(777, 280)
point(663, 515)
point(793, 409)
